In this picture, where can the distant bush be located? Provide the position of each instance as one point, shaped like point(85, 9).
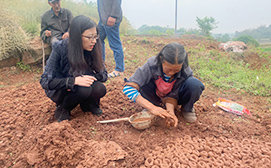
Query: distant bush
point(192, 31)
point(158, 30)
point(223, 38)
point(155, 32)
point(151, 30)
point(247, 40)
point(169, 32)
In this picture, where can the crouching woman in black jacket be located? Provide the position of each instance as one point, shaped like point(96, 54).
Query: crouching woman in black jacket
point(75, 70)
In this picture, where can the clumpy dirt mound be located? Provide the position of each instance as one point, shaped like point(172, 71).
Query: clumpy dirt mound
point(44, 142)
point(58, 144)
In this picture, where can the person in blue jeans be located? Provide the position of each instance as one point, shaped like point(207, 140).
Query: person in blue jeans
point(110, 13)
point(164, 82)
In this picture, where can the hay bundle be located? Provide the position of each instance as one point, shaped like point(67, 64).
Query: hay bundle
point(12, 37)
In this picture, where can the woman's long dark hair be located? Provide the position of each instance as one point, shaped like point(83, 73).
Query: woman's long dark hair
point(79, 63)
point(173, 53)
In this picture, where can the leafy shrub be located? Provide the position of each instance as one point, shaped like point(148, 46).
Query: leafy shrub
point(248, 40)
point(23, 67)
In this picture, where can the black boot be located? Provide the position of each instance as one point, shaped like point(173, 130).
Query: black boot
point(62, 114)
point(90, 107)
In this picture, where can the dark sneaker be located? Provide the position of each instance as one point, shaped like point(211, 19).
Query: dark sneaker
point(189, 116)
point(62, 114)
point(88, 107)
point(97, 111)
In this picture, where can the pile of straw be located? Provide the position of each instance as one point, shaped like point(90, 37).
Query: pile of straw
point(12, 37)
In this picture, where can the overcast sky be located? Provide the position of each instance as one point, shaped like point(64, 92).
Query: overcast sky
point(231, 15)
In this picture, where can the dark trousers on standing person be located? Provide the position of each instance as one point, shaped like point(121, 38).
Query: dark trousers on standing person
point(87, 97)
point(189, 93)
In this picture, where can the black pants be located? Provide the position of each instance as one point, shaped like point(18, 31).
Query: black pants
point(189, 93)
point(91, 95)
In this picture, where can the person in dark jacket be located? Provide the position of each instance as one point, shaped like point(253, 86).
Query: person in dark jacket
point(166, 80)
point(75, 70)
point(55, 23)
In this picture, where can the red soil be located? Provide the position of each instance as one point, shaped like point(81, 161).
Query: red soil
point(30, 136)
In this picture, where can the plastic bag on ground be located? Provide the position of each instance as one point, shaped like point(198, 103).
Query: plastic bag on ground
point(231, 106)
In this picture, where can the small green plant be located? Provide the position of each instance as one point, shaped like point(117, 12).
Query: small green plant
point(39, 70)
point(23, 67)
point(135, 60)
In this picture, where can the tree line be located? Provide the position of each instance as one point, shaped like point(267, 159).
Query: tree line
point(262, 32)
point(205, 27)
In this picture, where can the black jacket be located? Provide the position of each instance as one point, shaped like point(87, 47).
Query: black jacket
point(56, 75)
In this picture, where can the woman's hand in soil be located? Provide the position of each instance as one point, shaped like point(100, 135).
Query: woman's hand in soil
point(85, 80)
point(174, 120)
point(158, 111)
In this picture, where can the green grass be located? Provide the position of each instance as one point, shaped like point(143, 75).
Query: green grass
point(263, 51)
point(225, 72)
point(266, 49)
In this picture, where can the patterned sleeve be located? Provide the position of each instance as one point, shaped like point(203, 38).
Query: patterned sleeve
point(131, 92)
